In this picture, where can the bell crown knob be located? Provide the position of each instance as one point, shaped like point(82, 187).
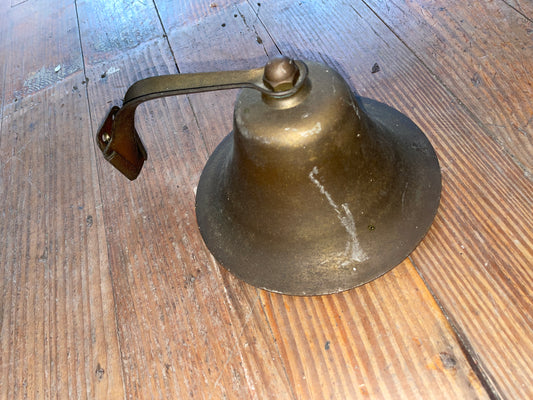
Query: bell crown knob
point(281, 73)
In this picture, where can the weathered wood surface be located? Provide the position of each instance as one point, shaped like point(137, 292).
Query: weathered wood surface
point(57, 319)
point(129, 302)
point(522, 7)
point(482, 53)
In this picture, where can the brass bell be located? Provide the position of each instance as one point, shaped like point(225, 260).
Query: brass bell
point(314, 192)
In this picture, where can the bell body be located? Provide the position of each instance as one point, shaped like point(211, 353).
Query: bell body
point(318, 192)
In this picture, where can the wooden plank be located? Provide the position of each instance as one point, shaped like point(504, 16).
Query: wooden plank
point(115, 27)
point(176, 14)
point(4, 29)
point(40, 46)
point(57, 326)
point(477, 256)
point(367, 343)
point(482, 52)
point(58, 332)
point(182, 333)
point(523, 7)
point(185, 329)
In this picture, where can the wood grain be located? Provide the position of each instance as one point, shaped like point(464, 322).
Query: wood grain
point(57, 326)
point(115, 27)
point(58, 331)
point(367, 343)
point(486, 62)
point(36, 52)
point(523, 7)
point(176, 14)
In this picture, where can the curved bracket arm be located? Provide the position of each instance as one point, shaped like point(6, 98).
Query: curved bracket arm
point(117, 137)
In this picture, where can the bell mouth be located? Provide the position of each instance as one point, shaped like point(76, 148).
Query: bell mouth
point(362, 245)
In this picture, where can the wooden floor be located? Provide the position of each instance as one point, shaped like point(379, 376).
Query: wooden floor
point(107, 290)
